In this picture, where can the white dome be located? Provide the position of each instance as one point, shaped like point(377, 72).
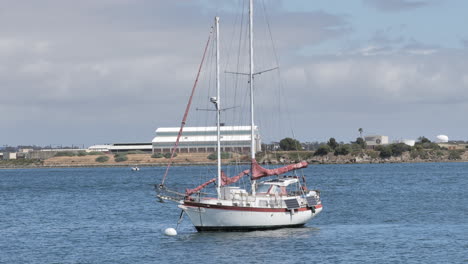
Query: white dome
point(442, 139)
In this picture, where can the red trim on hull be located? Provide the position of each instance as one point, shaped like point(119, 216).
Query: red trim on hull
point(243, 228)
point(249, 209)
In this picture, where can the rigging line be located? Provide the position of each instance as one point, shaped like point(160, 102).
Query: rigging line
point(229, 53)
point(275, 53)
point(236, 79)
point(279, 71)
point(231, 42)
point(267, 19)
point(184, 119)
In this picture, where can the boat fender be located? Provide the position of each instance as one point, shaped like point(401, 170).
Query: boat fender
point(313, 209)
point(170, 232)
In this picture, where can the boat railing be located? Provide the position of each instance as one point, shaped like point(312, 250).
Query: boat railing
point(165, 194)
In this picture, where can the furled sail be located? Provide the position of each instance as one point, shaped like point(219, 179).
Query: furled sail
point(225, 180)
point(189, 192)
point(260, 172)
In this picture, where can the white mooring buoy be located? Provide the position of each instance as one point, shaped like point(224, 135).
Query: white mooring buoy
point(170, 232)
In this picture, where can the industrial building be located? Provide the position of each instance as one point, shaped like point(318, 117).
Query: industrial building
point(203, 139)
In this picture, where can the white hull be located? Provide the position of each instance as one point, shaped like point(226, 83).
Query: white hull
point(233, 218)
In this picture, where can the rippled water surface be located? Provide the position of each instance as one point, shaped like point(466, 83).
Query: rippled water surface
point(387, 213)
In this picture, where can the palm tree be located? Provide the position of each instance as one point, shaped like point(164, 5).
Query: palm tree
point(360, 131)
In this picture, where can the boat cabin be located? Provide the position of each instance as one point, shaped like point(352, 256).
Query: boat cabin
point(282, 186)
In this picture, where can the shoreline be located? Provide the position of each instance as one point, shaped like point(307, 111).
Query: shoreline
point(206, 164)
point(202, 159)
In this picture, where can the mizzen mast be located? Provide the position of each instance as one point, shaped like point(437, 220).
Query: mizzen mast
point(218, 109)
point(251, 77)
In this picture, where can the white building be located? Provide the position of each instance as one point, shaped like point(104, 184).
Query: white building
point(121, 147)
point(376, 140)
point(409, 142)
point(9, 156)
point(203, 139)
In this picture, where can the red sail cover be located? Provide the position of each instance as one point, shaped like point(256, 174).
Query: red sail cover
point(189, 192)
point(260, 172)
point(225, 180)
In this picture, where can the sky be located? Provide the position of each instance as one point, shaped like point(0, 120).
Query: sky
point(92, 72)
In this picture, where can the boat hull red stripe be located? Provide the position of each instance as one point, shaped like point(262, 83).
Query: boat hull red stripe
point(242, 228)
point(249, 209)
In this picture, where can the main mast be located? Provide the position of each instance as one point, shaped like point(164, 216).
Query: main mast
point(251, 74)
point(218, 109)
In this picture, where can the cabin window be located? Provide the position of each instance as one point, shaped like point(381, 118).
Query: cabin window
point(264, 188)
point(293, 189)
point(280, 190)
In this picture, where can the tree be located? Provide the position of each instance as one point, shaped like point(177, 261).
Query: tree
point(399, 148)
point(290, 144)
point(423, 140)
point(385, 151)
point(343, 150)
point(332, 143)
point(323, 150)
point(360, 131)
point(361, 142)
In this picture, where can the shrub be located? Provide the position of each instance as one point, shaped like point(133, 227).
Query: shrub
point(385, 151)
point(136, 152)
point(157, 155)
point(323, 150)
point(423, 154)
point(119, 157)
point(213, 156)
point(430, 145)
point(343, 150)
point(167, 155)
point(95, 153)
point(373, 154)
point(454, 155)
point(224, 155)
point(300, 155)
point(356, 148)
point(65, 154)
point(399, 148)
point(102, 159)
point(82, 153)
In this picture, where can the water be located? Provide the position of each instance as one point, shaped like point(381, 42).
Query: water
point(387, 213)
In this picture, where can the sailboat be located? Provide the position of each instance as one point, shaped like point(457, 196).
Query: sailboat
point(274, 200)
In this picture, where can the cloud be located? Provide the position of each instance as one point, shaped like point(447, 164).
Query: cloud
point(114, 70)
point(434, 78)
point(396, 5)
point(96, 64)
point(465, 42)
